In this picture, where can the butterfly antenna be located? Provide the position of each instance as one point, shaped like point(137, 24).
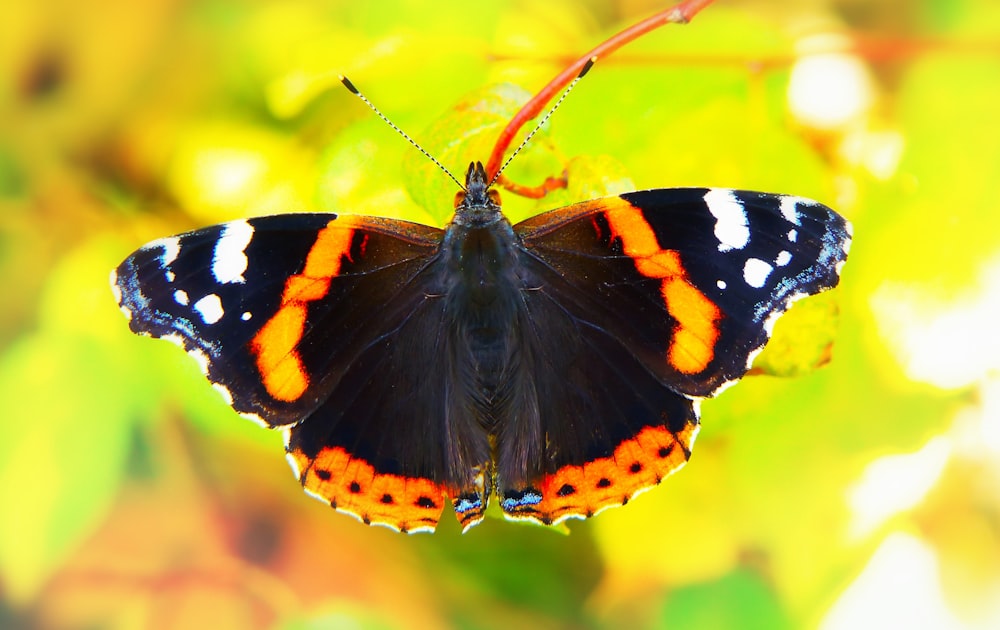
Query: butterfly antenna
point(350, 86)
point(583, 71)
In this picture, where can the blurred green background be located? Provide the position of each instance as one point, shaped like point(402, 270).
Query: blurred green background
point(864, 494)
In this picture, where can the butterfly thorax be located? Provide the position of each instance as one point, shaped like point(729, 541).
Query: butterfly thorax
point(478, 276)
point(480, 270)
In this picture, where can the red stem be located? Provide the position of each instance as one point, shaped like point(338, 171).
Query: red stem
point(679, 14)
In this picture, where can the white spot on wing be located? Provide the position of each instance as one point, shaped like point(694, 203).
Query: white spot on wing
point(246, 316)
point(200, 358)
point(229, 260)
point(226, 394)
point(210, 308)
point(171, 249)
point(789, 208)
point(181, 297)
point(170, 276)
point(793, 235)
point(731, 227)
point(294, 464)
point(115, 289)
point(387, 525)
point(117, 292)
point(256, 419)
point(696, 406)
point(784, 257)
point(174, 339)
point(756, 271)
point(769, 323)
point(721, 284)
point(723, 386)
point(323, 499)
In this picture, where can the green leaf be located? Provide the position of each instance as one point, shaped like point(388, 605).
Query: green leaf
point(63, 446)
point(803, 338)
point(466, 133)
point(741, 599)
point(70, 402)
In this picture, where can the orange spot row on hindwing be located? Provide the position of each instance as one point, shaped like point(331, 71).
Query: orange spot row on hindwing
point(637, 464)
point(353, 486)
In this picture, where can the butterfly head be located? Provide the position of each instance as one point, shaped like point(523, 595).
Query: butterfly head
point(477, 203)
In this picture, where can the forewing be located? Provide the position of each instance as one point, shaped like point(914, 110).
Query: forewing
point(689, 280)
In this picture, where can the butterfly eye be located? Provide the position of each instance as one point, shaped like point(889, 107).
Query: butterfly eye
point(460, 198)
point(494, 196)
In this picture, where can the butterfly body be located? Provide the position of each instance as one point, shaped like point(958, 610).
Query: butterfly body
point(557, 363)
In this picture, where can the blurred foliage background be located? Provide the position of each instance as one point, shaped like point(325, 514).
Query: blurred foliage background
point(864, 494)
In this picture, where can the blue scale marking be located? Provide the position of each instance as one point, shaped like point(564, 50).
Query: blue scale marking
point(464, 505)
point(528, 498)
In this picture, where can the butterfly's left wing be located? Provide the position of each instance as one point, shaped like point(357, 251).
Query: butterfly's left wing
point(312, 323)
point(671, 293)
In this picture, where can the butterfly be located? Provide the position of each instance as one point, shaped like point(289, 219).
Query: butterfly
point(556, 364)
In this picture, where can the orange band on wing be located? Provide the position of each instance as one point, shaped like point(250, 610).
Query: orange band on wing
point(352, 486)
point(693, 345)
point(278, 360)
